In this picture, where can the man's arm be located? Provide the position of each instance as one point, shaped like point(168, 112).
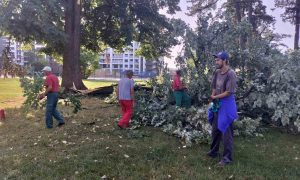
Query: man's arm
point(220, 96)
point(48, 89)
point(132, 93)
point(213, 84)
point(213, 93)
point(117, 92)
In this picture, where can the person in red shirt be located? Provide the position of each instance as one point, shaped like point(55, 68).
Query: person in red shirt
point(52, 88)
point(181, 97)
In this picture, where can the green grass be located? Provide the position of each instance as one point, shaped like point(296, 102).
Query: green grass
point(91, 84)
point(83, 151)
point(10, 92)
point(10, 88)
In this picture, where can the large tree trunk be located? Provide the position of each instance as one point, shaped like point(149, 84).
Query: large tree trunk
point(242, 38)
point(71, 63)
point(297, 24)
point(237, 7)
point(251, 17)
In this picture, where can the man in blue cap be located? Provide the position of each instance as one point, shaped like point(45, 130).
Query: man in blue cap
point(224, 110)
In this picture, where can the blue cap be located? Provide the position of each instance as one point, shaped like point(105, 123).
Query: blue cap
point(222, 55)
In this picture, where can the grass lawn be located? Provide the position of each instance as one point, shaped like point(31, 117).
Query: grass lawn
point(91, 84)
point(90, 146)
point(10, 93)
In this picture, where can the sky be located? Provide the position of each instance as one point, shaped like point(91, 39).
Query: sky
point(279, 27)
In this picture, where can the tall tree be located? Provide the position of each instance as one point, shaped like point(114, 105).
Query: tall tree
point(292, 15)
point(200, 6)
point(65, 25)
point(71, 66)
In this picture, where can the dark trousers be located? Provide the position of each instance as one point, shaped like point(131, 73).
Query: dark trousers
point(51, 110)
point(182, 99)
point(217, 137)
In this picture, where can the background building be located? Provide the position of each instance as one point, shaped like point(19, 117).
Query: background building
point(17, 54)
point(113, 63)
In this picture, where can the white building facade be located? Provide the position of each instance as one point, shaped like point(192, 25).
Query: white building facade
point(114, 63)
point(16, 52)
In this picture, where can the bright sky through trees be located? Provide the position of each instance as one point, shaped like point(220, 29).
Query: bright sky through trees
point(280, 26)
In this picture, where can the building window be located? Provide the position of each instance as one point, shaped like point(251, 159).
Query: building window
point(105, 66)
point(131, 60)
point(121, 65)
point(115, 66)
point(126, 66)
point(126, 60)
point(131, 66)
point(136, 60)
point(126, 55)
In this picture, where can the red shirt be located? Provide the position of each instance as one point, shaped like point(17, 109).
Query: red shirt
point(52, 80)
point(176, 84)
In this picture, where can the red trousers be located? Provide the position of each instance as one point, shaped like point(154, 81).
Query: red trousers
point(127, 110)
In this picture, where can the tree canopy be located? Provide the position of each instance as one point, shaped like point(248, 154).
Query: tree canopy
point(115, 23)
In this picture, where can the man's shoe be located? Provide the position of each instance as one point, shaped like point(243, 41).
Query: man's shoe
point(60, 124)
point(121, 127)
point(222, 163)
point(212, 155)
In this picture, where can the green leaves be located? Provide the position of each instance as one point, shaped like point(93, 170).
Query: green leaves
point(111, 22)
point(32, 87)
point(117, 23)
point(74, 101)
point(34, 20)
point(89, 62)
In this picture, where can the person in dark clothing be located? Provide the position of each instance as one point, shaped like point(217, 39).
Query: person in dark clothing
point(223, 111)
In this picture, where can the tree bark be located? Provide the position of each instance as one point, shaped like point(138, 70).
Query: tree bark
point(251, 17)
point(297, 24)
point(71, 63)
point(242, 38)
